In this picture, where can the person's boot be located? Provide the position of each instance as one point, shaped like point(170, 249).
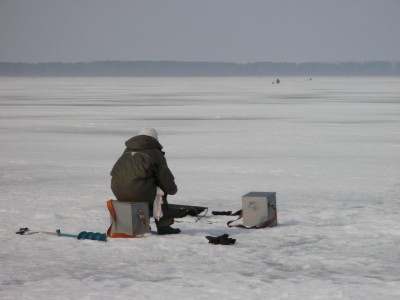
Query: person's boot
point(168, 230)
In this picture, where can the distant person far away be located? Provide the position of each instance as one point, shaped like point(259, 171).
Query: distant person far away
point(141, 174)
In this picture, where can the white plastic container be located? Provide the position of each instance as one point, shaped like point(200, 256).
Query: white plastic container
point(258, 207)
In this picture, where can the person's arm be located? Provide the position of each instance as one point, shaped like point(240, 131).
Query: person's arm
point(165, 179)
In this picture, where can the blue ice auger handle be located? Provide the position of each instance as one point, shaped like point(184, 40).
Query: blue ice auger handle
point(96, 236)
point(58, 231)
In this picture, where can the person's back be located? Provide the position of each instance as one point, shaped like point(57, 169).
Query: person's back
point(140, 170)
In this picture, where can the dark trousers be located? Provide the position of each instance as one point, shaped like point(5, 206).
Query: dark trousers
point(166, 220)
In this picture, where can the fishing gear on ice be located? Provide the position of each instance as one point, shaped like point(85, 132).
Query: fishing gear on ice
point(84, 235)
point(258, 211)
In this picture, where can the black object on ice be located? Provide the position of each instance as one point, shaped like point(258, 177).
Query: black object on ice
point(221, 240)
point(222, 213)
point(180, 211)
point(22, 230)
point(226, 213)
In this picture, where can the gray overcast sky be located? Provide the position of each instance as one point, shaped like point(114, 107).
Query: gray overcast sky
point(204, 30)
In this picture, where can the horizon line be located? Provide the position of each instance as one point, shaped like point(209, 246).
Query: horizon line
point(205, 62)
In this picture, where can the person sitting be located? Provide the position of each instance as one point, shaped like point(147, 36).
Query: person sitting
point(141, 173)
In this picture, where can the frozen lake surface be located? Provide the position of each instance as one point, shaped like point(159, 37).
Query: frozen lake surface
point(328, 147)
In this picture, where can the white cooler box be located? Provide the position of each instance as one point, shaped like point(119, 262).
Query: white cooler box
point(258, 207)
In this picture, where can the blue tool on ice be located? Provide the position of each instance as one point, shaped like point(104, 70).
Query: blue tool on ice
point(84, 235)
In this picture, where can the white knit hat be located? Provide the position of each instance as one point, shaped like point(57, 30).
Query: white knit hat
point(149, 132)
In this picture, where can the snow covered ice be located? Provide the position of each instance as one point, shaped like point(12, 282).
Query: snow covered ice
point(328, 147)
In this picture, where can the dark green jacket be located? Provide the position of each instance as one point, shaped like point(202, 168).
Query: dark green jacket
point(140, 169)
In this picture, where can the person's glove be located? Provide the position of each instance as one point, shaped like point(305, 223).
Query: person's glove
point(222, 239)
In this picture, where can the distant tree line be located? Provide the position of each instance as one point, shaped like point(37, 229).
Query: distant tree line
point(176, 68)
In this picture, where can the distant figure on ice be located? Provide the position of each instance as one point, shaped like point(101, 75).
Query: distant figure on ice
point(277, 81)
point(141, 174)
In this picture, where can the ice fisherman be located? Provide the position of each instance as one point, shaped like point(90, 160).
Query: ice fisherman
point(141, 174)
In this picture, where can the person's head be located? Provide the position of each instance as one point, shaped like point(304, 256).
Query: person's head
point(149, 132)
